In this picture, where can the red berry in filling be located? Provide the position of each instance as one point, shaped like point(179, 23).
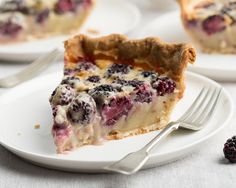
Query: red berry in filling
point(62, 95)
point(214, 24)
point(163, 86)
point(118, 68)
point(9, 28)
point(42, 16)
point(143, 94)
point(115, 109)
point(63, 6)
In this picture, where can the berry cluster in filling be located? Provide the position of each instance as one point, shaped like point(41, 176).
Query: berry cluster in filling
point(213, 17)
point(90, 92)
point(12, 12)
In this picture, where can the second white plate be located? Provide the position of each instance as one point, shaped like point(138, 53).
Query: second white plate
point(109, 16)
point(169, 28)
point(26, 105)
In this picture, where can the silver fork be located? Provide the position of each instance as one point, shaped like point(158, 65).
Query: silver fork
point(38, 66)
point(194, 119)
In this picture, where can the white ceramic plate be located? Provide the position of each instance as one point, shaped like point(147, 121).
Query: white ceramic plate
point(109, 16)
point(26, 105)
point(169, 28)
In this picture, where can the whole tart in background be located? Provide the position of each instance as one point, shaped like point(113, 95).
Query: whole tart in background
point(23, 20)
point(114, 87)
point(211, 24)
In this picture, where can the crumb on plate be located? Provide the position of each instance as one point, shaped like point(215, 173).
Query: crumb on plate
point(93, 31)
point(37, 126)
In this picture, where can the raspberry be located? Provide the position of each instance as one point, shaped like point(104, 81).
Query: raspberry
point(230, 149)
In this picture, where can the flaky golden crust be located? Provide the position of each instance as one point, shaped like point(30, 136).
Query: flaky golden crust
point(149, 53)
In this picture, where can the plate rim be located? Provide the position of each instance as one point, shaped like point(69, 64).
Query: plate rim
point(11, 147)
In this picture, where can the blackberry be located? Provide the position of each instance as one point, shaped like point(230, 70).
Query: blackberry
point(70, 80)
point(68, 72)
point(42, 16)
point(118, 68)
point(104, 89)
point(134, 83)
point(82, 109)
point(115, 109)
point(230, 149)
point(85, 65)
point(62, 95)
point(214, 24)
point(60, 130)
point(120, 82)
point(147, 74)
point(143, 95)
point(94, 79)
point(63, 6)
point(163, 85)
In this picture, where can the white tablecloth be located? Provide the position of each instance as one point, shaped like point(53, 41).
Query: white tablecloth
point(203, 169)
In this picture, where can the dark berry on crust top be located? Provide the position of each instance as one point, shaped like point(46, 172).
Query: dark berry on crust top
point(104, 89)
point(214, 24)
point(81, 111)
point(85, 65)
point(118, 68)
point(230, 149)
point(134, 83)
point(147, 74)
point(94, 79)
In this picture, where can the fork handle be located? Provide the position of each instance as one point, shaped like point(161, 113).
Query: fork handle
point(166, 131)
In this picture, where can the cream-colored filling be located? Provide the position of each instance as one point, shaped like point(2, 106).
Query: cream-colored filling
point(142, 115)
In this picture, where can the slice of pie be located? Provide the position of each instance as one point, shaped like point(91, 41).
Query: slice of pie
point(22, 20)
point(211, 24)
point(114, 87)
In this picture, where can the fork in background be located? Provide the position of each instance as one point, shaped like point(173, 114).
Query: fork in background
point(38, 66)
point(195, 118)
